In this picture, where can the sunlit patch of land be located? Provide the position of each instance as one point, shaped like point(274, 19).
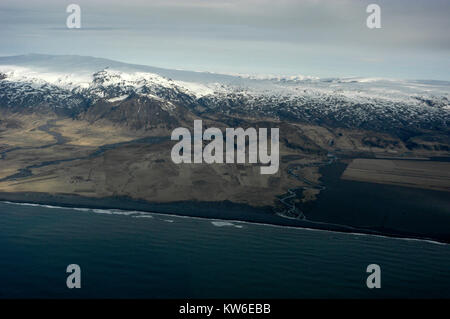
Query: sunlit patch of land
point(82, 133)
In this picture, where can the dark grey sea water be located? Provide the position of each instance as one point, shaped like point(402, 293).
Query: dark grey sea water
point(145, 255)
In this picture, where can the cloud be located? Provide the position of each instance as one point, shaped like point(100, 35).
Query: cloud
point(328, 35)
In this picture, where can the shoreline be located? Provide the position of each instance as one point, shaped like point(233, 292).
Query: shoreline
point(207, 210)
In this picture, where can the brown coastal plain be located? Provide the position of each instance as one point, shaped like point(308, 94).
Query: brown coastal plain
point(410, 173)
point(55, 155)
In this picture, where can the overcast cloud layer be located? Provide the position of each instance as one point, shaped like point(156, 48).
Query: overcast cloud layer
point(311, 37)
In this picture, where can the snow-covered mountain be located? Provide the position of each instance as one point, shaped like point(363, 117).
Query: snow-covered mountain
point(72, 84)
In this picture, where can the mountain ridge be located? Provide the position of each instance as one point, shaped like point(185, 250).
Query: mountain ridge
point(73, 84)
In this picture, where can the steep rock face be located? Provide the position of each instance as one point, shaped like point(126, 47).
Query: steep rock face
point(136, 112)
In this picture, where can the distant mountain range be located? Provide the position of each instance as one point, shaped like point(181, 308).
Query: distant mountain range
point(77, 85)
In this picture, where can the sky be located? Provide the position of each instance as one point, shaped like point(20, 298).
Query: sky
point(322, 38)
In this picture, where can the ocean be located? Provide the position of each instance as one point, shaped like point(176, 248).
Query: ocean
point(126, 254)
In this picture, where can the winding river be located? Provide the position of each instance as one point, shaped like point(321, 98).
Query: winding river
point(287, 199)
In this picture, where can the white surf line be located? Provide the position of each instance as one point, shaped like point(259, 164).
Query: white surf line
point(165, 215)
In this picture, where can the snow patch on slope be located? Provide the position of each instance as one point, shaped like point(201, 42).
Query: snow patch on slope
point(117, 99)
